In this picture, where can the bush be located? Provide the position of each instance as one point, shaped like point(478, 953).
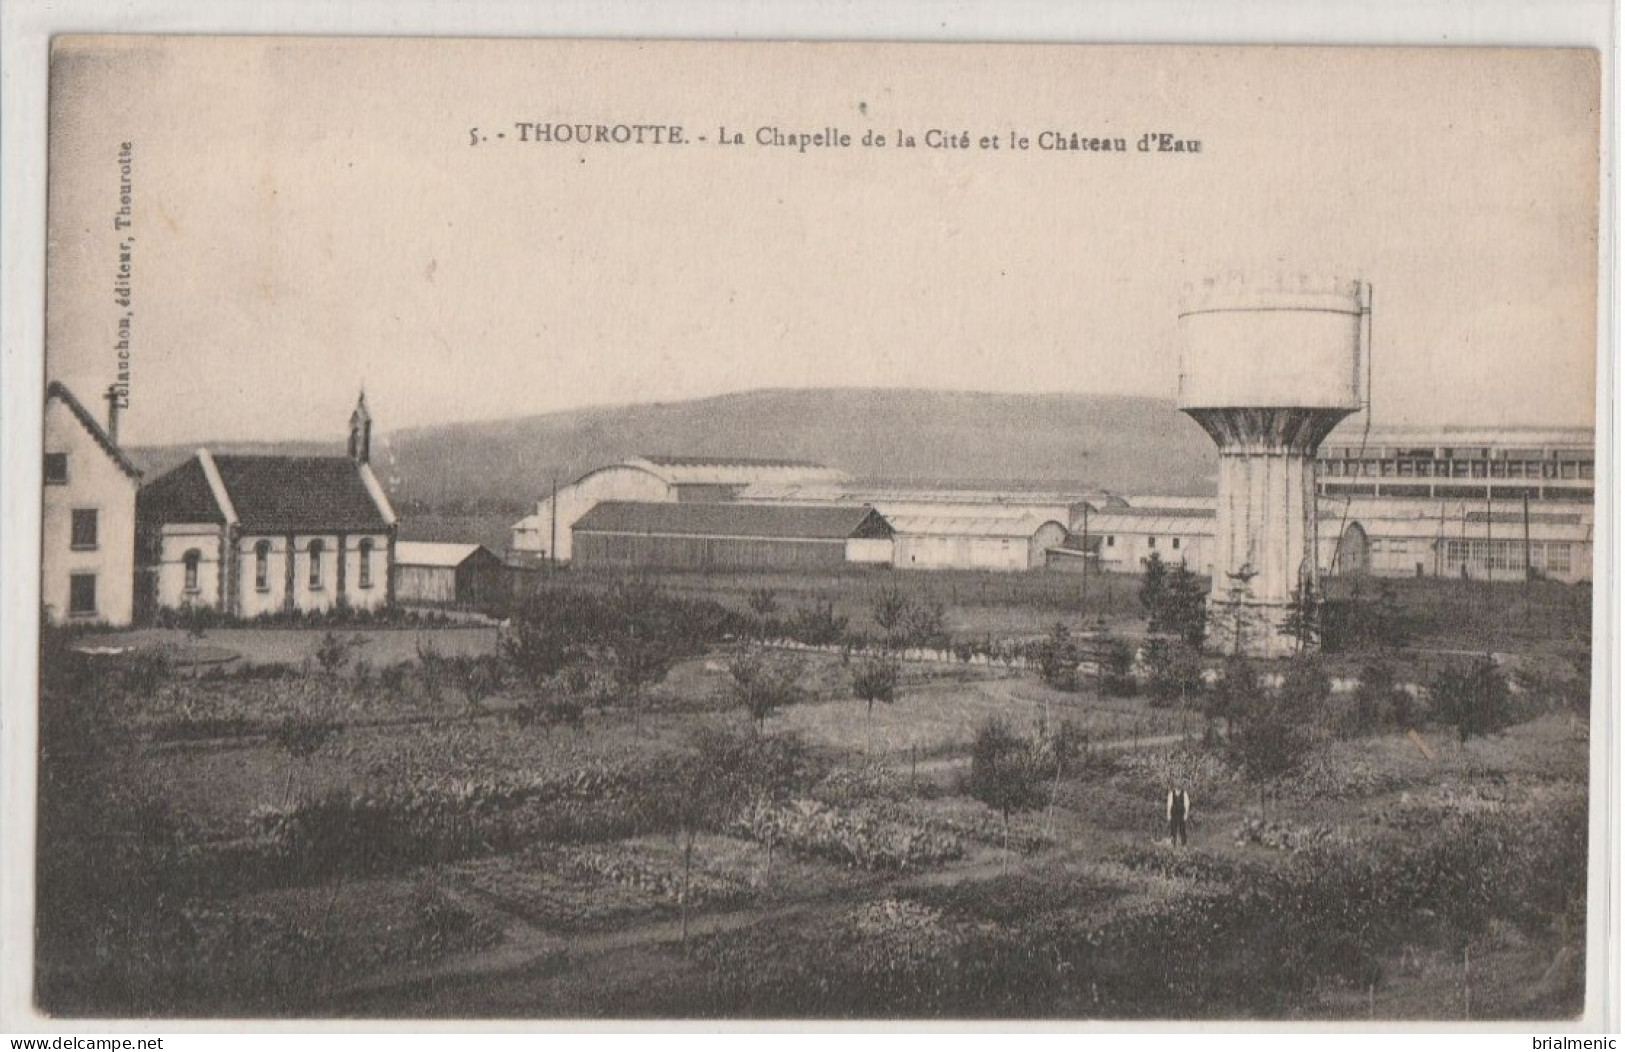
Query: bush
point(1476, 702)
point(763, 684)
point(1058, 659)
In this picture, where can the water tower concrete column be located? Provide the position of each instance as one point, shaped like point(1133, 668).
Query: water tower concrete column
point(1267, 370)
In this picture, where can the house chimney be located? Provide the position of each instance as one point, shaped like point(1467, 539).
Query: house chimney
point(113, 399)
point(361, 431)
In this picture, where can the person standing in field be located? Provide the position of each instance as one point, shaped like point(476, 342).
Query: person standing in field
point(1179, 811)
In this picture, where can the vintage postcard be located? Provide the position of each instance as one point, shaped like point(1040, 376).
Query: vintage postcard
point(550, 530)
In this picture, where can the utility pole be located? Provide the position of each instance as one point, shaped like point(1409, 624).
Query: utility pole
point(553, 541)
point(1528, 565)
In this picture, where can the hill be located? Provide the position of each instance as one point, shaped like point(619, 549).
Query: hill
point(1110, 442)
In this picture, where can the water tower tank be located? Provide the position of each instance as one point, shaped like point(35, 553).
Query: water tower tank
point(1268, 368)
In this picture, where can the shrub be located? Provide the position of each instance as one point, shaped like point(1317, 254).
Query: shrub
point(817, 624)
point(334, 651)
point(1006, 773)
point(1173, 671)
point(1058, 659)
point(762, 685)
point(1476, 702)
point(1117, 670)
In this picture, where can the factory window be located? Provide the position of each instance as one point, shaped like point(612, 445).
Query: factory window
point(191, 560)
point(315, 556)
point(366, 562)
point(82, 594)
point(262, 566)
point(84, 529)
point(1588, 470)
point(56, 469)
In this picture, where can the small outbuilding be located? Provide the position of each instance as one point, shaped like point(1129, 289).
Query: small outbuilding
point(440, 574)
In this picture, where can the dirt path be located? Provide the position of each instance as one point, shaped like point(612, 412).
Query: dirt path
point(525, 944)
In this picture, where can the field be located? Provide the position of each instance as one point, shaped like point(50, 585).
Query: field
point(320, 822)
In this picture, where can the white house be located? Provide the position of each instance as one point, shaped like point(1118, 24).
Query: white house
point(87, 556)
point(251, 535)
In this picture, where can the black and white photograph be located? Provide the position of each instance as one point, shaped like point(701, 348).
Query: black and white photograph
point(629, 530)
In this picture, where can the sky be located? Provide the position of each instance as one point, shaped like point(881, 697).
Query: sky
point(311, 217)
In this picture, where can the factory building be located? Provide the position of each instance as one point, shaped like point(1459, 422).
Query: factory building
point(547, 532)
point(941, 528)
point(1548, 464)
point(1379, 536)
point(1123, 538)
point(680, 535)
point(973, 538)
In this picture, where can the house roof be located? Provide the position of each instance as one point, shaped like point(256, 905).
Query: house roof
point(55, 389)
point(268, 494)
point(435, 553)
point(774, 521)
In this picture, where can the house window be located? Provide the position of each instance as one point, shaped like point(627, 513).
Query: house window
point(315, 551)
point(262, 566)
point(1150, 542)
point(1176, 544)
point(1111, 541)
point(56, 469)
point(82, 594)
point(365, 554)
point(84, 529)
point(191, 560)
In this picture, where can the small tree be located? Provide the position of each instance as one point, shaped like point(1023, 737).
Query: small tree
point(335, 650)
point(763, 603)
point(926, 626)
point(762, 685)
point(891, 612)
point(1058, 658)
point(1174, 670)
point(478, 676)
point(1302, 621)
point(1117, 670)
point(1006, 773)
point(817, 624)
point(1154, 591)
point(875, 679)
point(1184, 606)
point(1268, 745)
point(1379, 700)
point(301, 735)
point(1236, 692)
point(539, 643)
point(1477, 701)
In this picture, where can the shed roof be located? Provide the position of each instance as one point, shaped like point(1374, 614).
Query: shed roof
point(773, 521)
point(437, 553)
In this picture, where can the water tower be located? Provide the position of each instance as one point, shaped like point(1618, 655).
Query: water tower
point(1268, 369)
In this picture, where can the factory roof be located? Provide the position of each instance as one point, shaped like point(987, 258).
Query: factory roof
point(955, 524)
point(768, 521)
point(1140, 522)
